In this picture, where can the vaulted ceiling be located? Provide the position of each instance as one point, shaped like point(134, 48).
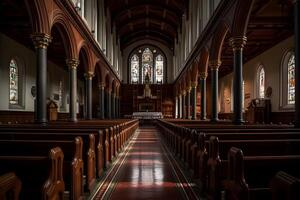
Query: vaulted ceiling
point(271, 21)
point(147, 19)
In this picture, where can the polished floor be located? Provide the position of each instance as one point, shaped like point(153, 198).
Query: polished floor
point(146, 170)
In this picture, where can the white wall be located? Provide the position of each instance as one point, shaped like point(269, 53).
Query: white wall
point(9, 49)
point(271, 60)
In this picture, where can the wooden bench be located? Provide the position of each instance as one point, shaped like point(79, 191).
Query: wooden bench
point(72, 165)
point(10, 186)
point(259, 170)
point(41, 175)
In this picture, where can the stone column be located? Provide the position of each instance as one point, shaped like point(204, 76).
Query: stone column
point(203, 76)
point(214, 66)
point(41, 42)
point(89, 92)
point(194, 100)
point(113, 105)
point(108, 96)
point(73, 63)
point(238, 43)
point(297, 60)
point(101, 100)
point(183, 105)
point(176, 108)
point(117, 107)
point(188, 103)
point(179, 106)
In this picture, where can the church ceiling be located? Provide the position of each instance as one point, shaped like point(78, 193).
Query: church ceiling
point(154, 19)
point(271, 22)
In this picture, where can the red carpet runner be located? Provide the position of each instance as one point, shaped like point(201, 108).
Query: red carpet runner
point(146, 170)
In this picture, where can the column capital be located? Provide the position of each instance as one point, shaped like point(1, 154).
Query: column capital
point(72, 63)
point(214, 64)
point(194, 84)
point(183, 93)
point(101, 86)
point(188, 89)
point(41, 40)
point(203, 75)
point(238, 43)
point(89, 75)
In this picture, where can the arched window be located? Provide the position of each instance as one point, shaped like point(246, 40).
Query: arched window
point(261, 82)
point(159, 69)
point(134, 69)
point(13, 82)
point(147, 63)
point(291, 79)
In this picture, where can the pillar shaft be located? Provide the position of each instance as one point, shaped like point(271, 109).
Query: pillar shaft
point(188, 104)
point(180, 107)
point(183, 106)
point(73, 63)
point(108, 101)
point(297, 61)
point(101, 101)
point(194, 101)
point(214, 90)
point(176, 107)
point(113, 105)
point(203, 95)
point(41, 42)
point(237, 44)
point(89, 93)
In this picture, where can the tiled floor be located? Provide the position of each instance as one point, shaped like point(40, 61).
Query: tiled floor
point(146, 171)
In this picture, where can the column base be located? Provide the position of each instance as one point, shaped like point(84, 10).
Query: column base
point(73, 120)
point(238, 122)
point(41, 122)
point(214, 120)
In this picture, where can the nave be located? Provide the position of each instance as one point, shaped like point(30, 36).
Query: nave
point(146, 170)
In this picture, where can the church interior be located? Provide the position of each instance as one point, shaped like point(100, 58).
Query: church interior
point(149, 99)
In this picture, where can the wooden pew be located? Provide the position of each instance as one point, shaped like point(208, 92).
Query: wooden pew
point(10, 186)
point(274, 154)
point(124, 131)
point(41, 176)
point(72, 164)
point(285, 187)
point(89, 155)
point(258, 171)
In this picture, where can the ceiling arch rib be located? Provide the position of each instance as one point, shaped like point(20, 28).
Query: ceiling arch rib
point(153, 32)
point(145, 23)
point(143, 5)
point(141, 19)
point(152, 17)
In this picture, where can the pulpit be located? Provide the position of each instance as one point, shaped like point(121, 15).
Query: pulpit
point(259, 111)
point(52, 110)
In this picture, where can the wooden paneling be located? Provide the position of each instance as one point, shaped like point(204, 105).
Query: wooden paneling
point(164, 102)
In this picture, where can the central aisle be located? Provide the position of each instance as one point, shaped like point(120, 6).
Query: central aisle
point(145, 171)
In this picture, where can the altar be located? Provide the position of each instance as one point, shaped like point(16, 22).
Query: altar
point(147, 115)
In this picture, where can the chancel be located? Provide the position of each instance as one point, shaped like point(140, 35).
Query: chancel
point(156, 99)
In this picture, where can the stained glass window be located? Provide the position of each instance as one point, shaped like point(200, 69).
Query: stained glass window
point(147, 63)
point(159, 67)
point(261, 76)
point(13, 82)
point(134, 69)
point(291, 79)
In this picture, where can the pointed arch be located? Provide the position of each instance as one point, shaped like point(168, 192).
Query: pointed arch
point(217, 42)
point(60, 21)
point(85, 50)
point(38, 16)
